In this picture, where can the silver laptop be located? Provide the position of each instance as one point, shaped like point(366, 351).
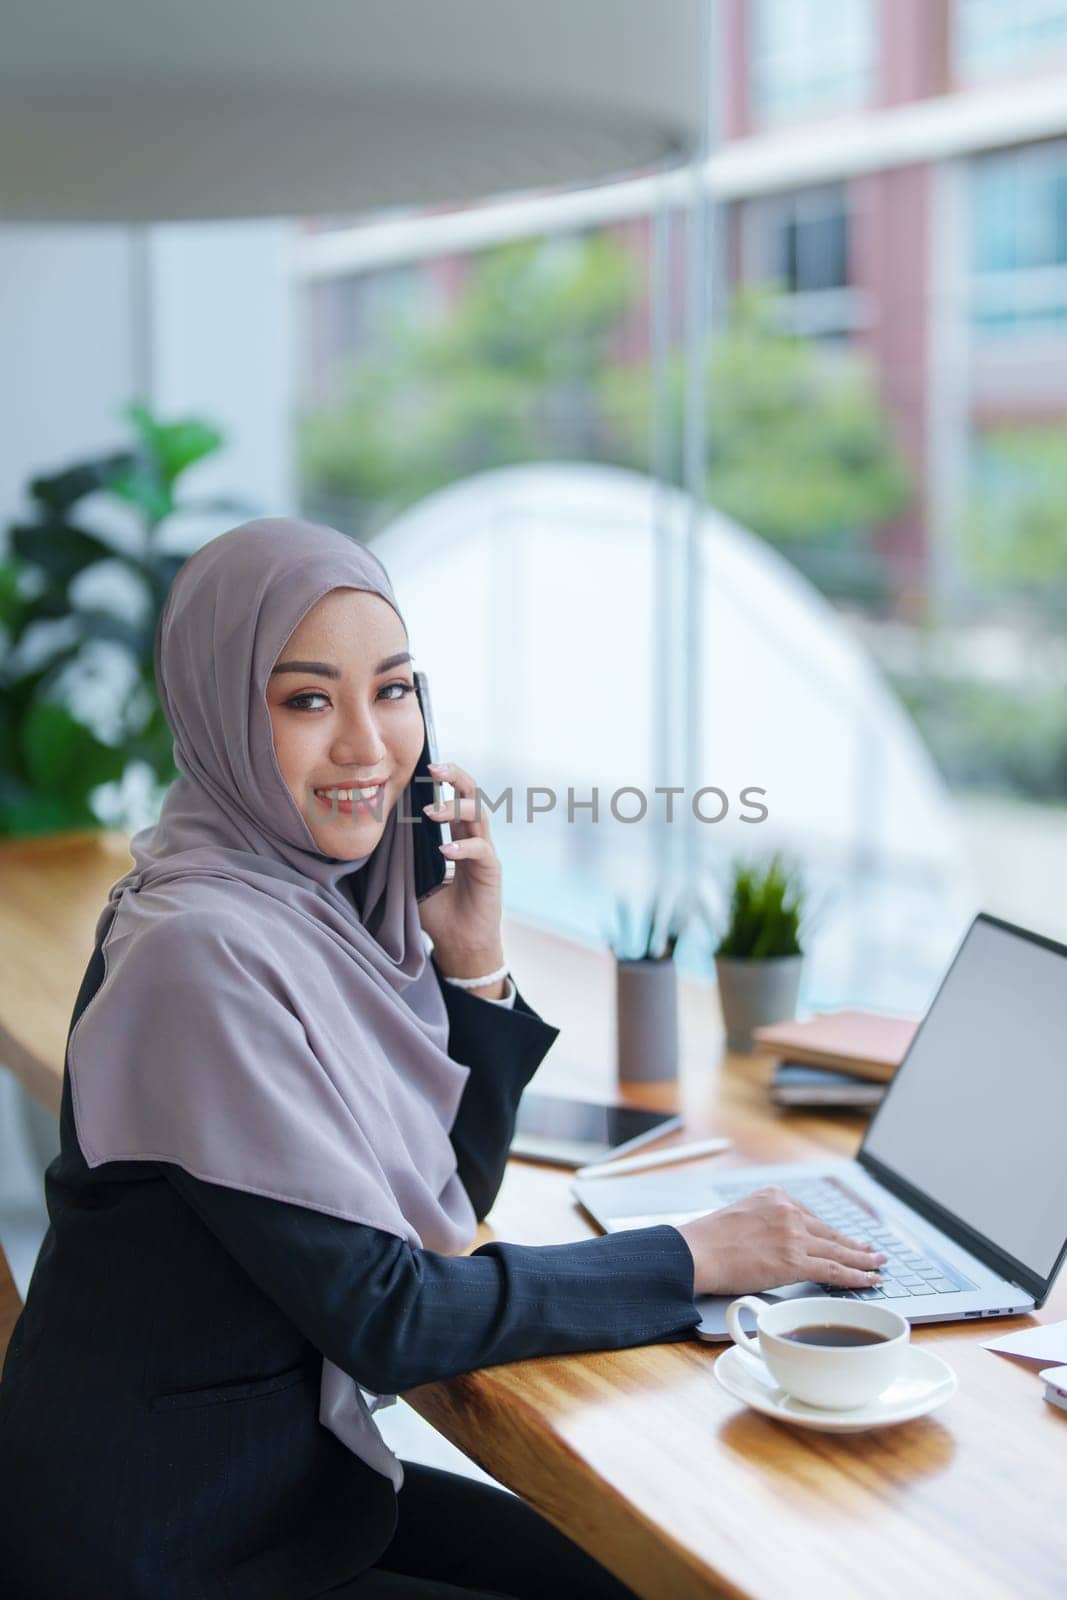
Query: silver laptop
point(962, 1176)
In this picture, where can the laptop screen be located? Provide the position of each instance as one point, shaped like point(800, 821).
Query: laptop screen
point(976, 1117)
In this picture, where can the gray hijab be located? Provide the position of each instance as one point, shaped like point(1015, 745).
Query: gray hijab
point(258, 1023)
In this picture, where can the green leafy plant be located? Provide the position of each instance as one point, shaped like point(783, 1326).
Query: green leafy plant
point(650, 934)
point(798, 446)
point(528, 366)
point(994, 738)
point(766, 909)
point(56, 613)
point(509, 376)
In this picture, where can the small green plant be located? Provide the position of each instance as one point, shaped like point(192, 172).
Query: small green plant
point(650, 935)
point(765, 913)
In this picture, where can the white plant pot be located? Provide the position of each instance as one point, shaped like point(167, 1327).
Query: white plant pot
point(752, 993)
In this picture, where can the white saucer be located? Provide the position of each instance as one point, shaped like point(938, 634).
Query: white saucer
point(925, 1383)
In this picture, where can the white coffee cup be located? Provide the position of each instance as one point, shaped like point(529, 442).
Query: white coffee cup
point(836, 1377)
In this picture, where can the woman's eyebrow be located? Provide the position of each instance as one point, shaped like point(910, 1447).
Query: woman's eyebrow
point(323, 669)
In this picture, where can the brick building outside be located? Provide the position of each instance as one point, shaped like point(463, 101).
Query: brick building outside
point(899, 169)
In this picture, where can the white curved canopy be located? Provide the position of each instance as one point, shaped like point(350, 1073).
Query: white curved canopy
point(528, 594)
point(120, 110)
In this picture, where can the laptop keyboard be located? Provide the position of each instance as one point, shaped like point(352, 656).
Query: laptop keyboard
point(907, 1270)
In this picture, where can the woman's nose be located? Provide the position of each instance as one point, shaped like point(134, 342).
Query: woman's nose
point(358, 742)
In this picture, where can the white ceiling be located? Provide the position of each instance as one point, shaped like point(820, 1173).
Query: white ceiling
point(152, 109)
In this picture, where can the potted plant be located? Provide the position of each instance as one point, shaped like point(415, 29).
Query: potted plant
point(759, 957)
point(646, 998)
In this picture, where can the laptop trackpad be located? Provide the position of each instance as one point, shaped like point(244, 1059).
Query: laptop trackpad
point(712, 1324)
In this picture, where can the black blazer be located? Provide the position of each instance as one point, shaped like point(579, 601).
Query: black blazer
point(159, 1433)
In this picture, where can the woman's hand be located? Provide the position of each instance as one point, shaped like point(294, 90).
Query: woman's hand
point(767, 1239)
point(463, 919)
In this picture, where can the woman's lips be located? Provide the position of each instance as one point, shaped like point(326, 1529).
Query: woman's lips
point(371, 806)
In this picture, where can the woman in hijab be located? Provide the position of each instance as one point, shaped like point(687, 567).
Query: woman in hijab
point(282, 1119)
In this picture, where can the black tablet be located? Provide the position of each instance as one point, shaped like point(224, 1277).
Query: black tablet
point(575, 1133)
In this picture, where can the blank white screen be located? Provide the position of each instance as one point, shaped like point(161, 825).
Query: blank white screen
point(977, 1116)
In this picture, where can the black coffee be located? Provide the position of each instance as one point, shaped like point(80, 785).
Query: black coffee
point(835, 1334)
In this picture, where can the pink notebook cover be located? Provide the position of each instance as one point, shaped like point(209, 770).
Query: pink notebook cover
point(861, 1042)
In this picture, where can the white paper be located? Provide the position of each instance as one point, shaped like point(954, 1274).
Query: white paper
point(1048, 1343)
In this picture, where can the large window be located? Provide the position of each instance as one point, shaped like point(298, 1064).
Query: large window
point(848, 789)
point(1017, 531)
point(994, 36)
point(1019, 229)
point(799, 242)
point(805, 62)
point(351, 318)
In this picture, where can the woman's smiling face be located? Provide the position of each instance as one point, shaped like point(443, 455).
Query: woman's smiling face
point(345, 715)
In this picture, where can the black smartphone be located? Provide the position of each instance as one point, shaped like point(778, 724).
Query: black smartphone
point(432, 869)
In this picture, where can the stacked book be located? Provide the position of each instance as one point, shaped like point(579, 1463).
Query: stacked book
point(839, 1058)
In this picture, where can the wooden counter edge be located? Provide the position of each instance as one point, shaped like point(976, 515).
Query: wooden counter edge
point(552, 1478)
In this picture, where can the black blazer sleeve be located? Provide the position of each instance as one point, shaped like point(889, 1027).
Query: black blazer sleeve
point(393, 1317)
point(503, 1048)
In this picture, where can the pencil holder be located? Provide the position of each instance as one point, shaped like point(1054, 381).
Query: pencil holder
point(646, 1017)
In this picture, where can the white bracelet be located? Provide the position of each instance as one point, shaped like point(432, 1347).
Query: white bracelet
point(476, 983)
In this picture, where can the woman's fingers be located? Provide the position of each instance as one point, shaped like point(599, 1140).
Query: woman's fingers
point(821, 1269)
point(474, 849)
point(461, 781)
point(456, 810)
point(853, 1257)
point(823, 1230)
point(465, 806)
point(815, 1224)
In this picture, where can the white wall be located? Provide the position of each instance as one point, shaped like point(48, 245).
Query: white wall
point(222, 335)
point(66, 357)
point(213, 334)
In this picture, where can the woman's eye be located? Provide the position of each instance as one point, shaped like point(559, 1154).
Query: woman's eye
point(298, 702)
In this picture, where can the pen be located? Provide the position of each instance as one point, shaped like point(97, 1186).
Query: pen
point(655, 1158)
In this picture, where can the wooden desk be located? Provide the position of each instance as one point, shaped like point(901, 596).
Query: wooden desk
point(51, 893)
point(638, 1454)
point(641, 1458)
